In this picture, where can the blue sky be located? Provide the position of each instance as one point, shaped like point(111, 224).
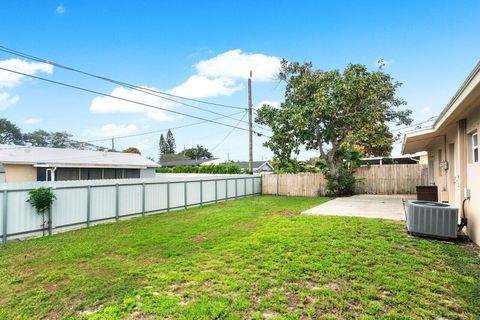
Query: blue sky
point(204, 49)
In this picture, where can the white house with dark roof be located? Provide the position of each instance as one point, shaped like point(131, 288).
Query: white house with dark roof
point(258, 166)
point(26, 163)
point(190, 162)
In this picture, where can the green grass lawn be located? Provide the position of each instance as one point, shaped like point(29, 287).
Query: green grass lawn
point(252, 258)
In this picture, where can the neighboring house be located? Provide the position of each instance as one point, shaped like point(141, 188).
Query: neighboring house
point(453, 151)
point(199, 162)
point(25, 163)
point(258, 166)
point(419, 157)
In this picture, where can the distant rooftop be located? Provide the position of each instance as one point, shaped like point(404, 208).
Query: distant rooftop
point(256, 164)
point(185, 162)
point(42, 156)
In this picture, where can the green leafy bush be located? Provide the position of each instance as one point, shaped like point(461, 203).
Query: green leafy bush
point(341, 181)
point(213, 168)
point(41, 199)
point(293, 166)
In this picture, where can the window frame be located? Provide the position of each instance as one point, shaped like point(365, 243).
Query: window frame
point(475, 148)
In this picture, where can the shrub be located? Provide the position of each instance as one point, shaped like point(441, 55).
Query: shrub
point(41, 199)
point(213, 168)
point(293, 166)
point(341, 181)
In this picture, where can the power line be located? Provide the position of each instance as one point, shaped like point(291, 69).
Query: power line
point(161, 130)
point(31, 57)
point(228, 135)
point(145, 90)
point(415, 124)
point(124, 99)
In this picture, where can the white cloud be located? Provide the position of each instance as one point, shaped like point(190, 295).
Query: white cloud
point(237, 65)
point(60, 9)
point(31, 120)
point(426, 110)
point(218, 76)
point(7, 100)
point(274, 104)
point(10, 80)
point(111, 130)
point(108, 104)
point(200, 87)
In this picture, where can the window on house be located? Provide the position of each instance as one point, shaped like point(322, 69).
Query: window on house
point(63, 174)
point(118, 173)
point(132, 173)
point(108, 173)
point(475, 147)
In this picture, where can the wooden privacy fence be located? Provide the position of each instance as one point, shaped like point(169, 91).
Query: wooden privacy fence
point(375, 179)
point(392, 179)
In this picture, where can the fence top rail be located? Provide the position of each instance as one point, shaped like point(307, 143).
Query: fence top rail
point(25, 186)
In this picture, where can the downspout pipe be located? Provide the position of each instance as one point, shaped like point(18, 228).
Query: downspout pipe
point(463, 175)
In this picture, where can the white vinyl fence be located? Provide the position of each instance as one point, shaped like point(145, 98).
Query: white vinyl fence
point(84, 203)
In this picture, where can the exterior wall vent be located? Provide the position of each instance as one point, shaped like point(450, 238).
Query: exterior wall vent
point(432, 219)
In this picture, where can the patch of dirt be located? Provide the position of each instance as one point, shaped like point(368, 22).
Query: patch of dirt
point(268, 314)
point(89, 312)
point(284, 213)
point(332, 285)
point(211, 234)
point(115, 256)
point(50, 287)
point(199, 238)
point(176, 290)
point(473, 248)
point(293, 301)
point(137, 315)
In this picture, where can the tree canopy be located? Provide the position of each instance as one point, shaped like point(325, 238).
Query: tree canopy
point(198, 152)
point(335, 113)
point(170, 143)
point(11, 134)
point(132, 150)
point(161, 147)
point(166, 146)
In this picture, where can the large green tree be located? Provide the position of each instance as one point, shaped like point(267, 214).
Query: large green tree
point(132, 150)
point(38, 138)
point(170, 143)
point(198, 152)
point(162, 146)
point(10, 133)
point(338, 113)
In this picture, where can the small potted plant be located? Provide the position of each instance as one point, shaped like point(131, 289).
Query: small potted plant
point(42, 199)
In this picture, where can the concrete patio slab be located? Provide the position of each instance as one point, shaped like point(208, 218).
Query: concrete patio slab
point(364, 205)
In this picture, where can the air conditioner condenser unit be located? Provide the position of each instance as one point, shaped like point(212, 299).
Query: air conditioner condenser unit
point(432, 219)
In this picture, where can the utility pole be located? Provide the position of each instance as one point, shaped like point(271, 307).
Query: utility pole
point(113, 144)
point(250, 126)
